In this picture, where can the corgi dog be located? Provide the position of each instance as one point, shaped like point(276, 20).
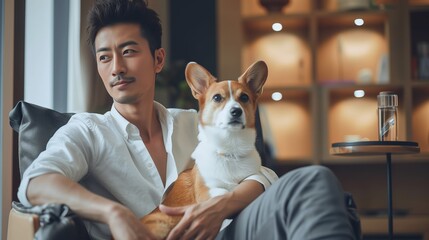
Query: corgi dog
point(226, 152)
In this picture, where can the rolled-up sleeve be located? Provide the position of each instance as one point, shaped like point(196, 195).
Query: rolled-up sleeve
point(66, 153)
point(265, 176)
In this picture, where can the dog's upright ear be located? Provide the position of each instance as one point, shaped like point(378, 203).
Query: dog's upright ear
point(198, 78)
point(255, 76)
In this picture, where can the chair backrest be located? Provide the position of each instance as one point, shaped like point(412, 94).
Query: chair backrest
point(260, 143)
point(35, 125)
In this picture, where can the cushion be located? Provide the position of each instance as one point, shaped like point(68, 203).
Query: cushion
point(35, 126)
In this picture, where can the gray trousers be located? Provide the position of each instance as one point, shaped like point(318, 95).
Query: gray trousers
point(306, 203)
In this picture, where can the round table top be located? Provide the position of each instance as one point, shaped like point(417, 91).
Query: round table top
point(360, 148)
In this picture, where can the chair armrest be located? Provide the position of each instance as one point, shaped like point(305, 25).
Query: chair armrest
point(48, 221)
point(22, 226)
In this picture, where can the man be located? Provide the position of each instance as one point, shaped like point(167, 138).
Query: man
point(114, 168)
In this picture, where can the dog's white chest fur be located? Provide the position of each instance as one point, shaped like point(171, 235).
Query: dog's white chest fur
point(226, 157)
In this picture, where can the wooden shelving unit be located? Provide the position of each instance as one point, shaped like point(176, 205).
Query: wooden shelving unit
point(317, 61)
point(321, 52)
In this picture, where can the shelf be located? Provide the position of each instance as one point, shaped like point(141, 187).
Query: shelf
point(352, 119)
point(420, 117)
point(411, 225)
point(253, 8)
point(352, 53)
point(287, 54)
point(418, 3)
point(420, 83)
point(263, 24)
point(287, 125)
point(368, 184)
point(345, 87)
point(419, 44)
point(346, 18)
point(287, 92)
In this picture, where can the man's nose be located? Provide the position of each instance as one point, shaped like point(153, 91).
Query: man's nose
point(118, 66)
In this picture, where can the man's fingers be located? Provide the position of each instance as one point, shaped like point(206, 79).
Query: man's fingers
point(180, 229)
point(176, 233)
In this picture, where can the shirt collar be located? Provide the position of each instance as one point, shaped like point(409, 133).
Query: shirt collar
point(130, 131)
point(120, 121)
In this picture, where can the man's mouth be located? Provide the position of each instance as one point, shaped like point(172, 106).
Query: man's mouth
point(118, 80)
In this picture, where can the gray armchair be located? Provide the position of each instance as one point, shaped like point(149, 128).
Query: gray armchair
point(35, 125)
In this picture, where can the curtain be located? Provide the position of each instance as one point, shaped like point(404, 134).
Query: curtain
point(86, 92)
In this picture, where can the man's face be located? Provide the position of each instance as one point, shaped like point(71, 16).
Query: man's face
point(125, 63)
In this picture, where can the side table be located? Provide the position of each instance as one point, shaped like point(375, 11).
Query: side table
point(369, 148)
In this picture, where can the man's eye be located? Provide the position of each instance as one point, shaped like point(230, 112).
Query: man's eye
point(129, 51)
point(103, 58)
point(217, 98)
point(244, 98)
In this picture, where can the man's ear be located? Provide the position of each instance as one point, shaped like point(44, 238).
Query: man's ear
point(159, 59)
point(198, 78)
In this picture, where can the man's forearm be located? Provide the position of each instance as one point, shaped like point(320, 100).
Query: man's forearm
point(56, 188)
point(242, 196)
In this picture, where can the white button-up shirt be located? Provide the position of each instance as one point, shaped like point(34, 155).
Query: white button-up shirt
point(106, 154)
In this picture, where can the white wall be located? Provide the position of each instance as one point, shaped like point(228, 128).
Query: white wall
point(38, 86)
point(76, 92)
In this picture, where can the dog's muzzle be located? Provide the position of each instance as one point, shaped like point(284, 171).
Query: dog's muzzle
point(236, 117)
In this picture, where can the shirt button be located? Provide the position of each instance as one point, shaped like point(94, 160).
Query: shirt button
point(149, 165)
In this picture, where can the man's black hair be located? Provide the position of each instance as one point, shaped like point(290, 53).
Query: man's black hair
point(109, 12)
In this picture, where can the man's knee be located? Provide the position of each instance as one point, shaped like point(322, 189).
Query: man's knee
point(308, 177)
point(313, 171)
point(318, 171)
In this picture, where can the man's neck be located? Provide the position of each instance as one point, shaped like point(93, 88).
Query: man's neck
point(143, 116)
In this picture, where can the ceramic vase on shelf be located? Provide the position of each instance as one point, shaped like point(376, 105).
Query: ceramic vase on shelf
point(353, 4)
point(274, 5)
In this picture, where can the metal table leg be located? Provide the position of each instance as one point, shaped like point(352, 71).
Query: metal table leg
point(389, 194)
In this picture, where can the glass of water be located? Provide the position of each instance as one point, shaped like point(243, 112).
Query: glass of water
point(387, 116)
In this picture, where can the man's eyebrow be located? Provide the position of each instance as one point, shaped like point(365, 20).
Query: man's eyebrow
point(122, 45)
point(103, 49)
point(127, 43)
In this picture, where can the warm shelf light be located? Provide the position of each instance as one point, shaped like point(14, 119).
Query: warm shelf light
point(277, 27)
point(359, 21)
point(359, 93)
point(276, 96)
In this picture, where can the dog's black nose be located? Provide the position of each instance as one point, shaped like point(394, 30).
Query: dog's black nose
point(236, 112)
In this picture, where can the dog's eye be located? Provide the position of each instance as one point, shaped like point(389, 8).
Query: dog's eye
point(217, 98)
point(244, 98)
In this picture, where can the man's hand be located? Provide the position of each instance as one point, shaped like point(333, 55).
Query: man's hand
point(200, 221)
point(124, 225)
point(203, 220)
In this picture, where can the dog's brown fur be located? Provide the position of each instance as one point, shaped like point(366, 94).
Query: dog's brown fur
point(190, 187)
